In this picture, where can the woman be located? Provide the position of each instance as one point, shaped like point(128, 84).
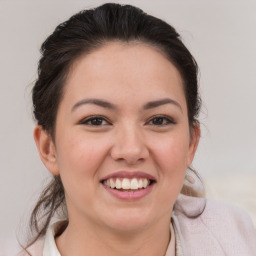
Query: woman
point(116, 103)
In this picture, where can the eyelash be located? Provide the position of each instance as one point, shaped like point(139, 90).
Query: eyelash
point(167, 120)
point(164, 121)
point(88, 121)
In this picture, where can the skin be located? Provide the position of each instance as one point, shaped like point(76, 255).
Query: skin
point(129, 138)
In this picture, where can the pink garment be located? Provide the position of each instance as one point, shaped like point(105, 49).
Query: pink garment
point(221, 230)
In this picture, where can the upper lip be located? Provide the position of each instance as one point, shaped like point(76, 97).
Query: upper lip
point(129, 174)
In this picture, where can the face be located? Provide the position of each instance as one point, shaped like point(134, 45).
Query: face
point(122, 141)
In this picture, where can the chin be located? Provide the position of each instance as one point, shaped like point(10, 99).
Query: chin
point(129, 226)
point(129, 221)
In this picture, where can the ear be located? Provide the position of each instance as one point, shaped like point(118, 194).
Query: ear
point(46, 149)
point(195, 136)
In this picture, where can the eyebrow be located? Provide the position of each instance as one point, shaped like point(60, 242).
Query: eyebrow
point(98, 102)
point(106, 104)
point(157, 103)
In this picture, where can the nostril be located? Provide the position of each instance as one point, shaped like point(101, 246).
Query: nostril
point(130, 148)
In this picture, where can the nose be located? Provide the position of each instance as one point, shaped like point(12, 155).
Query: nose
point(129, 145)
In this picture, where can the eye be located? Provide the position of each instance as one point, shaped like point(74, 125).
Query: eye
point(94, 121)
point(160, 121)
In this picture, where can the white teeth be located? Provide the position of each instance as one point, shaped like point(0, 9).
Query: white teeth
point(112, 183)
point(118, 184)
point(134, 184)
point(107, 183)
point(140, 183)
point(126, 183)
point(145, 183)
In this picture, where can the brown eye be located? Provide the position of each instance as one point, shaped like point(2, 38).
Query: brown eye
point(160, 121)
point(95, 121)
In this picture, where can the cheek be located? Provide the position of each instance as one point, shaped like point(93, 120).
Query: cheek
point(79, 156)
point(170, 157)
point(171, 153)
point(79, 160)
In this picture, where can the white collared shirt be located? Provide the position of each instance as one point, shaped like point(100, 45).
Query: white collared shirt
point(50, 247)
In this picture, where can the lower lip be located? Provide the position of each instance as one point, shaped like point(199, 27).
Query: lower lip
point(133, 195)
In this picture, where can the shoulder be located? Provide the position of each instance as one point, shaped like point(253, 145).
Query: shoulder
point(36, 249)
point(212, 211)
point(228, 218)
point(220, 227)
point(231, 225)
point(233, 215)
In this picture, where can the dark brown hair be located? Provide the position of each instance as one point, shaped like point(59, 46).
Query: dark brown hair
point(85, 32)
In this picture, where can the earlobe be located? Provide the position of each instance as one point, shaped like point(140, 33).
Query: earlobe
point(195, 136)
point(46, 149)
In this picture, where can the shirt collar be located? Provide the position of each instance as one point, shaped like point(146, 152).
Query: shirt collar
point(50, 247)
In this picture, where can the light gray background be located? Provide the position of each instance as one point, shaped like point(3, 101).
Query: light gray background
point(221, 35)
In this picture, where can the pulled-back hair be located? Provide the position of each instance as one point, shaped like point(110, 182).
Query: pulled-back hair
point(83, 33)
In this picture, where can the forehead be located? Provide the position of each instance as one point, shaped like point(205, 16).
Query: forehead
point(124, 68)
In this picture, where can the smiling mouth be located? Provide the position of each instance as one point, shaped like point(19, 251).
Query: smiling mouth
point(128, 184)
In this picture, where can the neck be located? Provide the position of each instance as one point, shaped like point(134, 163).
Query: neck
point(84, 240)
